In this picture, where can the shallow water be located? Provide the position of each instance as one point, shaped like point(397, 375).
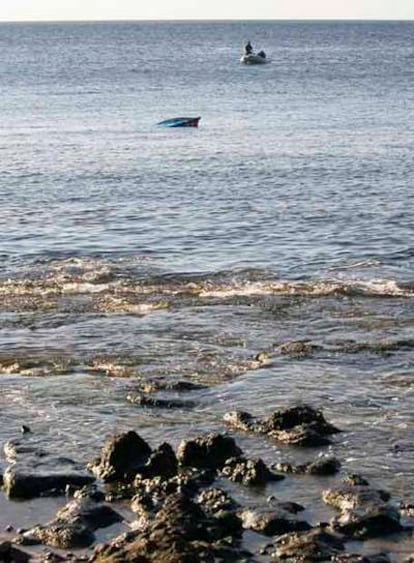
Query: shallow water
point(130, 252)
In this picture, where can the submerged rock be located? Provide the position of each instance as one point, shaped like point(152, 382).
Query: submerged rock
point(305, 547)
point(357, 558)
point(11, 554)
point(75, 523)
point(209, 451)
point(122, 457)
point(364, 512)
point(298, 349)
point(145, 401)
point(272, 521)
point(34, 472)
point(249, 471)
point(166, 385)
point(321, 466)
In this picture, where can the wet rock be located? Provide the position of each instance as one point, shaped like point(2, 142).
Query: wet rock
point(145, 401)
point(272, 521)
point(300, 425)
point(297, 349)
point(161, 463)
point(209, 451)
point(15, 449)
point(150, 493)
point(214, 500)
point(162, 385)
point(321, 466)
point(364, 512)
point(357, 558)
point(407, 508)
point(305, 547)
point(180, 532)
point(75, 523)
point(242, 420)
point(355, 479)
point(11, 554)
point(249, 471)
point(301, 415)
point(348, 496)
point(217, 504)
point(122, 457)
point(33, 472)
point(289, 506)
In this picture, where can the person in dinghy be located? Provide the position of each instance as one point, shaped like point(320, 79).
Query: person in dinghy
point(249, 57)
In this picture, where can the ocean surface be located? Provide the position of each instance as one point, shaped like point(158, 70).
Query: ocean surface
point(283, 225)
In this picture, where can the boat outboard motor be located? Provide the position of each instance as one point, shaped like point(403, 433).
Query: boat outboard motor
point(262, 54)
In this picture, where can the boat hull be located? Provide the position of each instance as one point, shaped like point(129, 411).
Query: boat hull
point(180, 122)
point(253, 60)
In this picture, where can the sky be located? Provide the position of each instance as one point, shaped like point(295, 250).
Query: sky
point(44, 10)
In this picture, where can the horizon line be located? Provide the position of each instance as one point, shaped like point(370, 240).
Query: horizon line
point(208, 20)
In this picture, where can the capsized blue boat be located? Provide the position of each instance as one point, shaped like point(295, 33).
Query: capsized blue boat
point(180, 122)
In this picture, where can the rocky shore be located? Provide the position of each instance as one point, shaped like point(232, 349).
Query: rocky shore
point(181, 503)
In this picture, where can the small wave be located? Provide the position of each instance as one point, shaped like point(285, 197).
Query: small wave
point(374, 288)
point(354, 265)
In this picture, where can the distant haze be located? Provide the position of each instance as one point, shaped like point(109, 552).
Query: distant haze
point(27, 10)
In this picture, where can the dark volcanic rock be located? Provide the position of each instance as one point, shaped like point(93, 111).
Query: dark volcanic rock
point(356, 558)
point(297, 349)
point(321, 466)
point(34, 472)
point(209, 451)
point(145, 401)
point(11, 554)
point(305, 547)
point(242, 420)
point(180, 532)
point(219, 506)
point(292, 417)
point(75, 523)
point(122, 457)
point(161, 463)
point(364, 512)
point(249, 471)
point(272, 521)
point(300, 425)
point(164, 385)
point(355, 479)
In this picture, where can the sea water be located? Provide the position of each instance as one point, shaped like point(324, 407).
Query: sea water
point(131, 252)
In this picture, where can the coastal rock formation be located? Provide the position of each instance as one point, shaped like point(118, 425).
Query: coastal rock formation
point(209, 451)
point(364, 512)
point(328, 465)
point(299, 425)
point(162, 462)
point(308, 546)
point(180, 531)
point(11, 554)
point(249, 471)
point(356, 558)
point(122, 457)
point(152, 386)
point(34, 472)
point(144, 401)
point(272, 521)
point(75, 523)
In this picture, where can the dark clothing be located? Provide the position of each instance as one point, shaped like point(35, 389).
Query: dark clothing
point(248, 49)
